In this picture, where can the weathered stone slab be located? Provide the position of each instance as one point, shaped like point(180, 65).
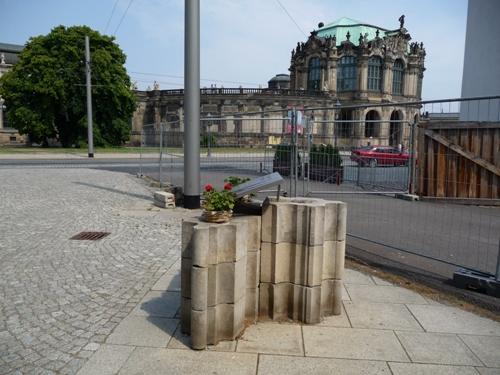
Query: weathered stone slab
point(274, 364)
point(383, 345)
point(437, 348)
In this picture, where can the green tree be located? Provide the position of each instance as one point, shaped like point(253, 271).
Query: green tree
point(45, 91)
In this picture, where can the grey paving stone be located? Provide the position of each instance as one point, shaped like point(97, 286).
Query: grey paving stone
point(160, 304)
point(356, 277)
point(437, 348)
point(336, 320)
point(381, 316)
point(182, 341)
point(487, 348)
point(426, 369)
point(169, 281)
point(59, 295)
point(345, 295)
point(143, 331)
point(272, 364)
point(353, 343)
point(447, 319)
point(383, 294)
point(488, 371)
point(272, 338)
point(107, 360)
point(380, 281)
point(151, 361)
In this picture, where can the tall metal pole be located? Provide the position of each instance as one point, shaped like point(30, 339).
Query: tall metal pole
point(192, 104)
point(89, 98)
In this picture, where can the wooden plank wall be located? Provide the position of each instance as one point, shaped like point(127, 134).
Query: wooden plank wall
point(445, 173)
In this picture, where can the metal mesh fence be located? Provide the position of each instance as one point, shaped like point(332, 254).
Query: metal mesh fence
point(368, 156)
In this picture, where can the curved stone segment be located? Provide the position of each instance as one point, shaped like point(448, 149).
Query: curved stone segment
point(214, 279)
point(302, 259)
point(287, 264)
point(306, 221)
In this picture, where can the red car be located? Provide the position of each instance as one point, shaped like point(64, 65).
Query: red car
point(380, 155)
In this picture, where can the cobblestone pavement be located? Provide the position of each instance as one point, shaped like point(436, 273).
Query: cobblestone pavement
point(60, 298)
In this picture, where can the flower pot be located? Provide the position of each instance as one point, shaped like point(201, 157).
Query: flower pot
point(216, 216)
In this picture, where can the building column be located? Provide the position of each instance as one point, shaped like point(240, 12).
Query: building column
point(359, 127)
point(363, 77)
point(387, 84)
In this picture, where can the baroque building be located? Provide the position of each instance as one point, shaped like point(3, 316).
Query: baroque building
point(343, 64)
point(357, 63)
point(8, 58)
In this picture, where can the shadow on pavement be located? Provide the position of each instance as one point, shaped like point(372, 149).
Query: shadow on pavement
point(140, 196)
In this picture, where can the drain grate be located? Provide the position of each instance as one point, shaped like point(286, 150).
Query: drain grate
point(89, 236)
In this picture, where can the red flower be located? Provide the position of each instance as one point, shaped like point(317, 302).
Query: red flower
point(209, 187)
point(228, 186)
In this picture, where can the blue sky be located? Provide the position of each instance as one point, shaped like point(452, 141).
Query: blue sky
point(243, 42)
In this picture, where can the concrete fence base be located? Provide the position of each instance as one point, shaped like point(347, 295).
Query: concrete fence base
point(287, 264)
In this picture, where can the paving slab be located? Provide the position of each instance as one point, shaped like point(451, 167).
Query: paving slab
point(272, 338)
point(154, 361)
point(381, 316)
point(353, 343)
point(171, 281)
point(183, 341)
point(488, 371)
point(447, 319)
point(383, 294)
point(437, 348)
point(355, 277)
point(380, 281)
point(426, 369)
point(143, 331)
point(336, 320)
point(107, 360)
point(487, 348)
point(159, 304)
point(345, 295)
point(273, 364)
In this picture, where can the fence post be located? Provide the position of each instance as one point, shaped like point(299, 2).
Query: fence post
point(161, 153)
point(295, 152)
point(140, 152)
point(497, 273)
point(413, 149)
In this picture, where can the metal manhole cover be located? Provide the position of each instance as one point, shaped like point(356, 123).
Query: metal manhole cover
point(89, 236)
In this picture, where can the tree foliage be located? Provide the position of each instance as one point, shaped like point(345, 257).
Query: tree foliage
point(45, 91)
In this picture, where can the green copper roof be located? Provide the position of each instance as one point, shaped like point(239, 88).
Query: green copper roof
point(340, 27)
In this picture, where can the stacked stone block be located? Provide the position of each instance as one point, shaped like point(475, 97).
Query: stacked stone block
point(302, 259)
point(287, 264)
point(218, 293)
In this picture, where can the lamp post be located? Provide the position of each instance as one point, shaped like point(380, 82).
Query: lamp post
point(192, 104)
point(2, 107)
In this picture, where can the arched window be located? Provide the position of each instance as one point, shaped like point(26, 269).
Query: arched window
point(397, 77)
point(346, 73)
point(313, 74)
point(344, 125)
point(375, 73)
point(372, 124)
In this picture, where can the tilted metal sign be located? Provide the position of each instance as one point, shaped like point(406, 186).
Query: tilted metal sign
point(257, 184)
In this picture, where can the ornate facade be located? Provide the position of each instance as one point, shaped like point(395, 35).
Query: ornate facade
point(357, 64)
point(8, 57)
point(342, 66)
